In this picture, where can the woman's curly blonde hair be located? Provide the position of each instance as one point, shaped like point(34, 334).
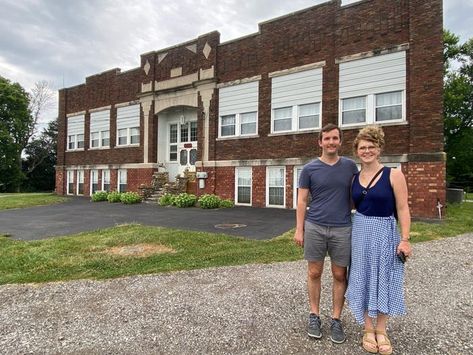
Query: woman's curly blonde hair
point(373, 134)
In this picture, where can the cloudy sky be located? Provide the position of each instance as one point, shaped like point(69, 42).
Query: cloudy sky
point(63, 41)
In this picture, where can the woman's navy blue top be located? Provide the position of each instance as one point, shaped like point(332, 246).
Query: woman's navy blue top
point(379, 200)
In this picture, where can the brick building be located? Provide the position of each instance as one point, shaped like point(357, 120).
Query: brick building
point(247, 112)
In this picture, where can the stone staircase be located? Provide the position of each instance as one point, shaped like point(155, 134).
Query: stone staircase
point(160, 185)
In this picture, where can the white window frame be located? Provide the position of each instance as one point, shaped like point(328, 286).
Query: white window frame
point(101, 117)
point(295, 184)
point(73, 137)
point(80, 180)
point(69, 180)
point(368, 77)
point(104, 173)
point(94, 173)
point(268, 168)
point(370, 110)
point(238, 170)
point(239, 100)
point(295, 118)
point(128, 126)
point(121, 173)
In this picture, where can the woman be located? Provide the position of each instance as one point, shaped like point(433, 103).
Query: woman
point(375, 286)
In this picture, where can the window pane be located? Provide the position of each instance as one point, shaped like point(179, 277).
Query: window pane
point(282, 125)
point(122, 136)
point(228, 131)
point(308, 122)
point(248, 128)
point(244, 178)
point(80, 188)
point(276, 196)
point(284, 112)
point(357, 116)
point(123, 187)
point(71, 142)
point(94, 139)
point(134, 135)
point(193, 156)
point(80, 141)
point(194, 131)
point(173, 133)
point(183, 157)
point(244, 194)
point(173, 153)
point(228, 120)
point(388, 99)
point(248, 123)
point(389, 113)
point(354, 103)
point(185, 132)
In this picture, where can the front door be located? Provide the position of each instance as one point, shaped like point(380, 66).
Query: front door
point(182, 148)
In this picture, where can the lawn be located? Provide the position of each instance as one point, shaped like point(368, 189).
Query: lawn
point(14, 200)
point(136, 249)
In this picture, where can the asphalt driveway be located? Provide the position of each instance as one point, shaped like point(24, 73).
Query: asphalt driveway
point(79, 214)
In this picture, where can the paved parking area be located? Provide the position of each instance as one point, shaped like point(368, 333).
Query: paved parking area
point(79, 214)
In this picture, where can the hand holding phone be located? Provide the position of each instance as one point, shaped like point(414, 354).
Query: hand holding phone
point(402, 257)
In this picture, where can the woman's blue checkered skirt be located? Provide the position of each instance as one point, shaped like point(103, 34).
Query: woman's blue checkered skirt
point(375, 283)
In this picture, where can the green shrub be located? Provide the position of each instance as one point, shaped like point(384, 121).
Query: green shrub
point(130, 198)
point(99, 196)
point(226, 203)
point(209, 201)
point(184, 200)
point(114, 196)
point(166, 200)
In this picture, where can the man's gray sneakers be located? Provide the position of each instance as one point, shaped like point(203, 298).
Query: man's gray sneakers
point(314, 326)
point(337, 335)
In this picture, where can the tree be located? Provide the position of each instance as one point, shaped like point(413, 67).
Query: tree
point(15, 120)
point(458, 109)
point(39, 166)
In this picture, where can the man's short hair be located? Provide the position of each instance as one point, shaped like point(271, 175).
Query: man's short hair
point(329, 127)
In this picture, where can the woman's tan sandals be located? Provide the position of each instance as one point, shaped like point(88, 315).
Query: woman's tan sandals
point(370, 345)
point(386, 343)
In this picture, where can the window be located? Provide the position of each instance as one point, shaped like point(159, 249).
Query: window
point(354, 110)
point(389, 106)
point(243, 186)
point(275, 186)
point(296, 101)
point(75, 132)
point(372, 90)
point(80, 182)
point(106, 180)
point(70, 182)
point(122, 180)
point(128, 125)
point(194, 131)
point(100, 129)
point(238, 110)
point(94, 181)
point(173, 142)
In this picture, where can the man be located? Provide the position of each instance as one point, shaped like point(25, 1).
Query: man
point(326, 226)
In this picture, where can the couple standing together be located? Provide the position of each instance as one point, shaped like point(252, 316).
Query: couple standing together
point(372, 247)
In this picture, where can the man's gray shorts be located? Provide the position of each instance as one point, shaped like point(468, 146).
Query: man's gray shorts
point(318, 240)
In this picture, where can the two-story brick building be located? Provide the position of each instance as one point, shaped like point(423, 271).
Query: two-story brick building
point(247, 112)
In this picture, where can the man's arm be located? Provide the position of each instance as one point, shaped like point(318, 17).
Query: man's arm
point(300, 215)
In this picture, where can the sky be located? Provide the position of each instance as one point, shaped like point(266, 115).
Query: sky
point(64, 41)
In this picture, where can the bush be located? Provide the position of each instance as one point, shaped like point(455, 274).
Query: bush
point(166, 200)
point(99, 196)
point(130, 198)
point(226, 203)
point(114, 196)
point(184, 200)
point(209, 201)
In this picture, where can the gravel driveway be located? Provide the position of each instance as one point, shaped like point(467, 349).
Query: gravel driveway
point(251, 309)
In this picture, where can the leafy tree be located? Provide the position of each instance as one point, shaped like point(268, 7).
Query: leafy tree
point(39, 166)
point(458, 109)
point(15, 120)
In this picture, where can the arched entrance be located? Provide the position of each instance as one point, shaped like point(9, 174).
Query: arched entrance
point(177, 139)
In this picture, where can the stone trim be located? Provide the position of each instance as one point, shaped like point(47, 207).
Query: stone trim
point(100, 109)
point(239, 81)
point(110, 166)
point(176, 82)
point(124, 104)
point(381, 51)
point(72, 114)
point(297, 69)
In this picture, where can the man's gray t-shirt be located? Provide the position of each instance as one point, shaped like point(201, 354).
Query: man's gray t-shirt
point(329, 187)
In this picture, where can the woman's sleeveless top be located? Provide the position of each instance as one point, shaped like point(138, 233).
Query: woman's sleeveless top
point(379, 200)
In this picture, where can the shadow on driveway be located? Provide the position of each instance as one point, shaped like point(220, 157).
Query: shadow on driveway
point(78, 214)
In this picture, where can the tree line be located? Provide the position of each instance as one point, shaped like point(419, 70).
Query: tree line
point(28, 157)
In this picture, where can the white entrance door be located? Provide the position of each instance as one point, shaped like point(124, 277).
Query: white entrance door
point(182, 138)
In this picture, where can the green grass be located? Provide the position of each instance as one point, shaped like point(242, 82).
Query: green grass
point(469, 196)
point(84, 255)
point(15, 200)
point(459, 220)
point(87, 256)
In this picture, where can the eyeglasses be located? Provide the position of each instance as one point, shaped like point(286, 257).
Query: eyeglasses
point(370, 148)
